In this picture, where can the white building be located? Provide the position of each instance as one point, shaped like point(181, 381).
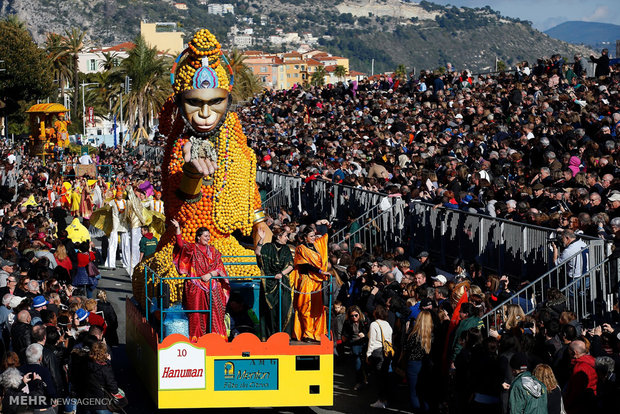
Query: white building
point(220, 9)
point(276, 40)
point(292, 37)
point(92, 61)
point(242, 41)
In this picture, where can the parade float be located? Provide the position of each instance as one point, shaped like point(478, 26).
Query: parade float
point(45, 131)
point(209, 181)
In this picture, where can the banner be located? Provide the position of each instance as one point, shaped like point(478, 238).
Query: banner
point(91, 115)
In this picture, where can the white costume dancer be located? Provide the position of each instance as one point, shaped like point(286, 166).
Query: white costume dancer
point(135, 219)
point(118, 206)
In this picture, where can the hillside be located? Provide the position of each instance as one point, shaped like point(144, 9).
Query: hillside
point(392, 32)
point(586, 33)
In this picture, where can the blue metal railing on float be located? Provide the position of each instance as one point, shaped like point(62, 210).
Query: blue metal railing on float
point(159, 302)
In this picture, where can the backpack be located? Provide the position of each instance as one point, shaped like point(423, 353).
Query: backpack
point(388, 349)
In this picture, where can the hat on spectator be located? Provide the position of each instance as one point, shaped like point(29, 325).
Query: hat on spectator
point(467, 199)
point(518, 361)
point(614, 197)
point(459, 116)
point(538, 186)
point(440, 278)
point(423, 254)
point(425, 303)
point(15, 301)
point(4, 262)
point(38, 301)
point(82, 314)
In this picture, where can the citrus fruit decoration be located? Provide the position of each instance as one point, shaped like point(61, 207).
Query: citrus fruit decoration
point(228, 201)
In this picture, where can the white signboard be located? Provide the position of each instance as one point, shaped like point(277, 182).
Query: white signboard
point(182, 367)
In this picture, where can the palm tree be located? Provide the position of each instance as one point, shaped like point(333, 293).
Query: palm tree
point(61, 62)
point(318, 77)
point(104, 94)
point(149, 85)
point(109, 61)
point(340, 72)
point(73, 44)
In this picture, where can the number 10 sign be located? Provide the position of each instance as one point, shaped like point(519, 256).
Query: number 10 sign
point(182, 367)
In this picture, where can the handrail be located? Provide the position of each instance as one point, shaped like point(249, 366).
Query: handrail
point(531, 284)
point(336, 238)
point(244, 278)
point(586, 283)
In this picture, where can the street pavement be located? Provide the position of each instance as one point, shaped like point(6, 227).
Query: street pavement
point(118, 287)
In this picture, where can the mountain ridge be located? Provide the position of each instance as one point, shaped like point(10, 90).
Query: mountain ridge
point(392, 32)
point(587, 33)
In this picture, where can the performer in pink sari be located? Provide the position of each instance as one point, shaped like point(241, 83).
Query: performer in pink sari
point(201, 260)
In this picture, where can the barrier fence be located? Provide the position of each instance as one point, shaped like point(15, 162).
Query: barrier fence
point(501, 246)
point(589, 295)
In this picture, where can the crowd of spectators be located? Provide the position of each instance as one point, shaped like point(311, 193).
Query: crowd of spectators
point(537, 146)
point(510, 145)
point(56, 342)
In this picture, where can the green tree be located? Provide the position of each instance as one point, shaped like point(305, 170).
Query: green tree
point(318, 77)
point(27, 71)
point(60, 60)
point(501, 66)
point(340, 72)
point(72, 45)
point(149, 85)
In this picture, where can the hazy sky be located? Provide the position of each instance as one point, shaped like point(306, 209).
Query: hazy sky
point(545, 14)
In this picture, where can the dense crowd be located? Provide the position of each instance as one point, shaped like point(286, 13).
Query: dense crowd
point(58, 329)
point(537, 146)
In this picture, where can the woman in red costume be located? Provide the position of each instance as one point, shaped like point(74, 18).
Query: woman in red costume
point(201, 260)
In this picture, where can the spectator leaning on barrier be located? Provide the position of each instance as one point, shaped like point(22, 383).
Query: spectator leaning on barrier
point(577, 263)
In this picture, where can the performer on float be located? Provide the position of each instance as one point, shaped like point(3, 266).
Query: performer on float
point(200, 260)
point(310, 272)
point(208, 172)
point(62, 135)
point(275, 259)
point(156, 204)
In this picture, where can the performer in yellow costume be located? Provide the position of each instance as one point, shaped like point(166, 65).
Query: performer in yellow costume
point(208, 172)
point(308, 276)
point(62, 135)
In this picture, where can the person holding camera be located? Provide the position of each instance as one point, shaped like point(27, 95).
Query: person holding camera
point(577, 263)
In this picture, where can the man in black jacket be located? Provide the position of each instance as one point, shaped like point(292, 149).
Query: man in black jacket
point(50, 361)
point(602, 64)
point(21, 333)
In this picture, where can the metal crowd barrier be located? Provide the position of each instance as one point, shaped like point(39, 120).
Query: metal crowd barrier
point(501, 246)
point(380, 228)
point(588, 295)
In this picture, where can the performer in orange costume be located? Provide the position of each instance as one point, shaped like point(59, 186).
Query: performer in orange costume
point(201, 260)
point(310, 272)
